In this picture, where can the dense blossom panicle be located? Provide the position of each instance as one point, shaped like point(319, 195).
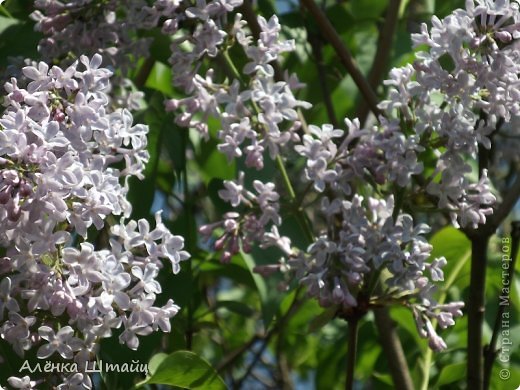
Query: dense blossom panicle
point(65, 157)
point(459, 94)
point(80, 27)
point(370, 241)
point(253, 92)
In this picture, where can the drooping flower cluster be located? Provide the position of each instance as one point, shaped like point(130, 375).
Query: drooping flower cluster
point(64, 162)
point(243, 231)
point(252, 92)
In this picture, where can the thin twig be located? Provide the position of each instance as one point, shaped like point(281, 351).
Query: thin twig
point(317, 51)
point(255, 360)
point(234, 355)
point(284, 373)
point(344, 55)
point(384, 48)
point(144, 73)
point(295, 305)
point(266, 382)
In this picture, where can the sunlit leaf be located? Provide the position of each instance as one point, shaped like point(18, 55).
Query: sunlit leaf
point(187, 370)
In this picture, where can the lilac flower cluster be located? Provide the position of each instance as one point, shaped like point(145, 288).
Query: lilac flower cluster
point(370, 242)
point(361, 239)
point(257, 114)
point(65, 158)
point(459, 94)
point(242, 231)
point(236, 99)
point(88, 27)
point(109, 28)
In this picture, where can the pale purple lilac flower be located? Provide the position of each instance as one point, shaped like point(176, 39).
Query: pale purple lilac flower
point(65, 158)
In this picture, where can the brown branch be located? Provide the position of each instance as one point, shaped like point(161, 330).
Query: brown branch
point(278, 327)
point(344, 55)
point(144, 72)
point(235, 354)
point(393, 350)
point(384, 47)
point(295, 305)
point(476, 301)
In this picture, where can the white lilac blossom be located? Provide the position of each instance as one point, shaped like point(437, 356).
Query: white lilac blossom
point(65, 158)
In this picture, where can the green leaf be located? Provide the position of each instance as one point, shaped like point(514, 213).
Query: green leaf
point(160, 47)
point(234, 271)
point(214, 164)
point(362, 9)
point(402, 7)
point(452, 373)
point(456, 248)
point(155, 362)
point(6, 22)
point(403, 316)
point(17, 39)
point(385, 378)
point(259, 281)
point(160, 79)
point(499, 375)
point(187, 370)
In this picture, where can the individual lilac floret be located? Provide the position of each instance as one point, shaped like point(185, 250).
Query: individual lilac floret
point(62, 342)
point(24, 383)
